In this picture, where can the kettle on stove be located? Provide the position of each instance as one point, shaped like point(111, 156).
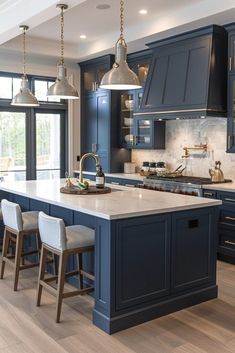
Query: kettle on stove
point(216, 174)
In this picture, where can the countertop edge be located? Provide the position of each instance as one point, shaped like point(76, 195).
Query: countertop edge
point(209, 203)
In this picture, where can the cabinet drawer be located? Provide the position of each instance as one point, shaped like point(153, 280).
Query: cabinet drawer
point(227, 215)
point(227, 239)
point(211, 194)
point(228, 198)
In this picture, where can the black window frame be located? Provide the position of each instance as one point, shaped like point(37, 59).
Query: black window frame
point(30, 112)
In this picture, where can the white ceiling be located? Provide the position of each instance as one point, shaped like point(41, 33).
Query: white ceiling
point(164, 18)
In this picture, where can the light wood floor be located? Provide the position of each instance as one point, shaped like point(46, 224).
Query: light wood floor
point(24, 328)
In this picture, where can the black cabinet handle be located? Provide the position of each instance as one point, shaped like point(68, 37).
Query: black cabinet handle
point(193, 223)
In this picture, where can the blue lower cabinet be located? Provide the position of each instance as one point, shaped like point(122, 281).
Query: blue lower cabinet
point(193, 238)
point(21, 200)
point(35, 205)
point(64, 213)
point(142, 260)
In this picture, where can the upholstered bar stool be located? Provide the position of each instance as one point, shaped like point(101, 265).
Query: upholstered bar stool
point(63, 241)
point(18, 225)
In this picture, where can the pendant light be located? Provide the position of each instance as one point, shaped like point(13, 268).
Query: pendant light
point(120, 77)
point(61, 88)
point(24, 98)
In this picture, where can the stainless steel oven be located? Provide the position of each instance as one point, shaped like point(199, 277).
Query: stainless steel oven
point(186, 185)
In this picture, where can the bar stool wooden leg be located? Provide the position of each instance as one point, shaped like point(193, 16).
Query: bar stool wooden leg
point(19, 244)
point(61, 280)
point(79, 260)
point(5, 247)
point(42, 268)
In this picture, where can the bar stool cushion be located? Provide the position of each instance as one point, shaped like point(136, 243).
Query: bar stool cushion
point(30, 220)
point(79, 236)
point(0, 213)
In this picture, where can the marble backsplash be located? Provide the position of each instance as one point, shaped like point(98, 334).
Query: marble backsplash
point(187, 133)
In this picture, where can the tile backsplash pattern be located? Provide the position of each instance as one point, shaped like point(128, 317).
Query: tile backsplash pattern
point(187, 133)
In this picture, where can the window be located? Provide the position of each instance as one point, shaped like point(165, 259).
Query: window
point(32, 140)
point(12, 145)
point(41, 88)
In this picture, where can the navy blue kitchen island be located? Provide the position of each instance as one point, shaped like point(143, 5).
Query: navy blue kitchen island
point(155, 252)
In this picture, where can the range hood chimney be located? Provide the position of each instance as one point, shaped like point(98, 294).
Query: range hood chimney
point(188, 75)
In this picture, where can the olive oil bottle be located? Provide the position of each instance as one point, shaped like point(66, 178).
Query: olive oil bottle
point(100, 178)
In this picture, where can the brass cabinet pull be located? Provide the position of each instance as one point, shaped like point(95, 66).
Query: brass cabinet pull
point(115, 183)
point(94, 147)
point(230, 141)
point(230, 218)
point(228, 199)
point(208, 193)
point(230, 63)
point(130, 185)
point(229, 242)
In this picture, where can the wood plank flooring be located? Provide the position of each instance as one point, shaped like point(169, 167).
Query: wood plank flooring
point(24, 328)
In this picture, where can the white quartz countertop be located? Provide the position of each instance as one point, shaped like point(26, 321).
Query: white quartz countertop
point(132, 176)
point(122, 202)
point(230, 187)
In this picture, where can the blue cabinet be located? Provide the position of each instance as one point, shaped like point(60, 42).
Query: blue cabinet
point(92, 72)
point(226, 224)
point(139, 132)
point(231, 89)
point(231, 114)
point(192, 240)
point(100, 120)
point(142, 260)
point(182, 78)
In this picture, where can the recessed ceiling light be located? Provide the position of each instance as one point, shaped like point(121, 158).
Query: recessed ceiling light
point(103, 7)
point(83, 36)
point(143, 12)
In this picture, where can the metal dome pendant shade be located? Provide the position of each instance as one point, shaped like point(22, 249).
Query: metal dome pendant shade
point(120, 77)
point(62, 88)
point(24, 98)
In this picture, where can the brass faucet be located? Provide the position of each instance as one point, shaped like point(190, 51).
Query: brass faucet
point(202, 146)
point(86, 155)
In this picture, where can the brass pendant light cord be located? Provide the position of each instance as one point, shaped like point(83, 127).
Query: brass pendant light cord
point(121, 19)
point(24, 51)
point(24, 28)
point(62, 36)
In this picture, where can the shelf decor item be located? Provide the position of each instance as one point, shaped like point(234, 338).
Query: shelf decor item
point(62, 88)
point(120, 77)
point(24, 98)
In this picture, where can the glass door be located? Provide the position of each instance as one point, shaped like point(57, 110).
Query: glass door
point(49, 154)
point(127, 121)
point(12, 145)
point(143, 132)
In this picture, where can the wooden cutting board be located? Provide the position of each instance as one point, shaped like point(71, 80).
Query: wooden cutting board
point(90, 191)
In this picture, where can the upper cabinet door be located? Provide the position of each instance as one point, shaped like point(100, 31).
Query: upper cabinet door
point(178, 76)
point(231, 48)
point(92, 72)
point(231, 114)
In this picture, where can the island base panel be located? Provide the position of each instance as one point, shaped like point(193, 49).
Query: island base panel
point(136, 317)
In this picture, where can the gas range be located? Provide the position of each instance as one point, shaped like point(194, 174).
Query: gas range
point(186, 185)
